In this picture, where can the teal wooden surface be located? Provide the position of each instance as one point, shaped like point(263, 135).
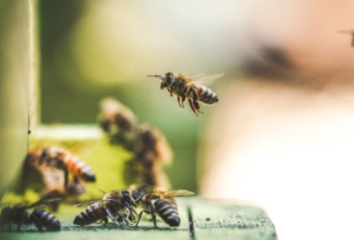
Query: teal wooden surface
point(227, 221)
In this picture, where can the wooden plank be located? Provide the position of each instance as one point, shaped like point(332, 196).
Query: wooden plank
point(227, 221)
point(17, 71)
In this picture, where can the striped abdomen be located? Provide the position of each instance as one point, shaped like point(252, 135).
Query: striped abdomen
point(90, 215)
point(45, 219)
point(80, 168)
point(205, 95)
point(167, 210)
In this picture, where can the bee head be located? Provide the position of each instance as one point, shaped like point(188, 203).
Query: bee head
point(167, 80)
point(128, 198)
point(5, 216)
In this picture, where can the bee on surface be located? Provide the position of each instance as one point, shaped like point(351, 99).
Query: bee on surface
point(28, 214)
point(59, 158)
point(189, 88)
point(115, 205)
point(158, 200)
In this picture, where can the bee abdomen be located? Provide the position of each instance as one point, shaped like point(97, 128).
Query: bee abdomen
point(168, 212)
point(46, 220)
point(90, 215)
point(207, 96)
point(80, 168)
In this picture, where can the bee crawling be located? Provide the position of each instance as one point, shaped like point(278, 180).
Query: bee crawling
point(189, 88)
point(28, 214)
point(157, 200)
point(117, 205)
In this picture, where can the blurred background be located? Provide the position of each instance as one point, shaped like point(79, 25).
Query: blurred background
point(281, 135)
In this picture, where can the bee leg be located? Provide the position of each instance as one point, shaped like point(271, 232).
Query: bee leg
point(170, 91)
point(105, 219)
point(183, 99)
point(140, 214)
point(153, 216)
point(122, 218)
point(112, 218)
point(178, 100)
point(195, 101)
point(37, 223)
point(192, 106)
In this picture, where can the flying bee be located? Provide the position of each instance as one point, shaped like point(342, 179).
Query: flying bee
point(158, 200)
point(115, 204)
point(189, 88)
point(59, 158)
point(28, 214)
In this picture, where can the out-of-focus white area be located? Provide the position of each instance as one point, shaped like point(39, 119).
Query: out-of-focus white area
point(289, 150)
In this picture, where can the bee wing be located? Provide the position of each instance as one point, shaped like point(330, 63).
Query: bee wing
point(86, 204)
point(206, 78)
point(179, 193)
point(43, 203)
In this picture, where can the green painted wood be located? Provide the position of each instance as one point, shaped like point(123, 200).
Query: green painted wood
point(17, 74)
point(227, 221)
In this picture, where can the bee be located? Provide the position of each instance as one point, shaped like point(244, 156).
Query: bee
point(28, 214)
point(189, 88)
point(74, 189)
point(149, 147)
point(115, 204)
point(158, 200)
point(59, 158)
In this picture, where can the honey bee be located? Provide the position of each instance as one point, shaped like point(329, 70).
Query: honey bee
point(117, 205)
point(59, 158)
point(158, 200)
point(189, 88)
point(74, 189)
point(148, 145)
point(28, 214)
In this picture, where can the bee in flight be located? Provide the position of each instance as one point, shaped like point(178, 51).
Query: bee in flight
point(115, 205)
point(189, 88)
point(157, 200)
point(28, 214)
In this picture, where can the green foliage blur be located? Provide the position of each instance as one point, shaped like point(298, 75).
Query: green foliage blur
point(69, 94)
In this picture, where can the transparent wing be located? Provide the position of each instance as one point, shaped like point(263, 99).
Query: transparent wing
point(206, 78)
point(179, 193)
point(86, 204)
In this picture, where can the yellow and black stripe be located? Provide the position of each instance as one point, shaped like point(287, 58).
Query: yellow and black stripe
point(45, 219)
point(167, 210)
point(205, 95)
point(90, 215)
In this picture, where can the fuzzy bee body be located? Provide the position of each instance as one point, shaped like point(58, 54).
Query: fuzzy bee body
point(91, 214)
point(115, 204)
point(158, 200)
point(189, 88)
point(22, 215)
point(62, 159)
point(168, 211)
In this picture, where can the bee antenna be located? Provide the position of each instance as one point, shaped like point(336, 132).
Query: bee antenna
point(102, 191)
point(157, 76)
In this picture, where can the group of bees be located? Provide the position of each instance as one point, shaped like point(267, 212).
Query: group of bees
point(150, 151)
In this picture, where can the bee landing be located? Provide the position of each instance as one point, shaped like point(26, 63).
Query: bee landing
point(189, 88)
